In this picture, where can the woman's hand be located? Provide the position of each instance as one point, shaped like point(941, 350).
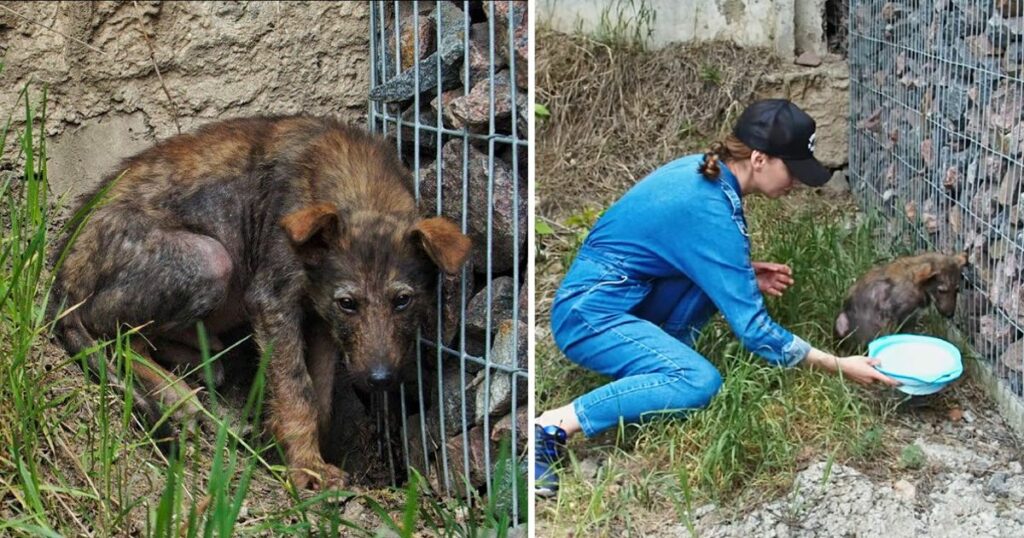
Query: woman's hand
point(857, 368)
point(772, 278)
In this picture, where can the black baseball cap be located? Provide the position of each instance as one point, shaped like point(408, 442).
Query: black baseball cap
point(780, 129)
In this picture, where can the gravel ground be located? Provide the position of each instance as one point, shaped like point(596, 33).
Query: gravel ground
point(970, 483)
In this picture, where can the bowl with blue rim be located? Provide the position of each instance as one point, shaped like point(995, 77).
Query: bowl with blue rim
point(922, 364)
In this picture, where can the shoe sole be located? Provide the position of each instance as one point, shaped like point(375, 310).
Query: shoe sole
point(545, 492)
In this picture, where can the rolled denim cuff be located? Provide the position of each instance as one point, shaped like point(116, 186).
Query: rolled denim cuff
point(795, 351)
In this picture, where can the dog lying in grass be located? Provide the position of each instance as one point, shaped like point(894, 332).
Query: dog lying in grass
point(889, 297)
point(303, 228)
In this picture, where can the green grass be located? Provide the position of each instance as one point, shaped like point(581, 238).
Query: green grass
point(912, 457)
point(625, 24)
point(74, 461)
point(764, 423)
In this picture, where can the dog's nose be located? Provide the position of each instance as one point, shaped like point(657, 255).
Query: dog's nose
point(381, 378)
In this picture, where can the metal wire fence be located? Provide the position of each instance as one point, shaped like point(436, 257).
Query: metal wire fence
point(445, 85)
point(936, 143)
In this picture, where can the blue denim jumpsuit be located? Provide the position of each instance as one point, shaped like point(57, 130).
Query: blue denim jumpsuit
point(650, 274)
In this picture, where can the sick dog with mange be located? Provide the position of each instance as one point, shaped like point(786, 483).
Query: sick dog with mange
point(304, 228)
point(889, 297)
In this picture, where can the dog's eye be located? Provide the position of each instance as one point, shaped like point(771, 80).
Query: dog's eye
point(348, 304)
point(402, 301)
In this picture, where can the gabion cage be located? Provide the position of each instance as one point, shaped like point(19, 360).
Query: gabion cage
point(448, 84)
point(936, 145)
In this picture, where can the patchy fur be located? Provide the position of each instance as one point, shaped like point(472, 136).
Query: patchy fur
point(303, 228)
point(889, 297)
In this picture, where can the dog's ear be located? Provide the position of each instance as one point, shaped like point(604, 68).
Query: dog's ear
point(961, 260)
point(314, 226)
point(443, 242)
point(925, 272)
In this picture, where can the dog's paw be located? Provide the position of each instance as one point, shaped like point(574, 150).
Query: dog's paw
point(323, 476)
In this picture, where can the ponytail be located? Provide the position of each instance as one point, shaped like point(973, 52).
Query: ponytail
point(730, 149)
point(709, 166)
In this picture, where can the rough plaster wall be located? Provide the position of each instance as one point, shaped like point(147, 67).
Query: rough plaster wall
point(810, 27)
point(217, 60)
point(823, 92)
point(773, 24)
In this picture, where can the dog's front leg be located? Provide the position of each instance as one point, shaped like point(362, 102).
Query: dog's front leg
point(294, 418)
point(322, 357)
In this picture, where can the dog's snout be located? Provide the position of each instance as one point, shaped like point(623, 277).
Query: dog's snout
point(381, 378)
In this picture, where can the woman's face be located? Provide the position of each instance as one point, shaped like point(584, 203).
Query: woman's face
point(770, 175)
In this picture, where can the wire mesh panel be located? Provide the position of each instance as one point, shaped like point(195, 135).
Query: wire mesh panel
point(936, 144)
point(448, 84)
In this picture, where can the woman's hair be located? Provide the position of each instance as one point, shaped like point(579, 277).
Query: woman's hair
point(727, 150)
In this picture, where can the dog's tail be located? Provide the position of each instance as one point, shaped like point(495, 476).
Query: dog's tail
point(842, 327)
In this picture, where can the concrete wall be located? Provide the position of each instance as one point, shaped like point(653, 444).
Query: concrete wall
point(787, 26)
point(217, 60)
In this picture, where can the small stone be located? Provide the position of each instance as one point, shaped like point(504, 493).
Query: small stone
point(354, 511)
point(503, 428)
point(996, 485)
point(979, 45)
point(809, 59)
point(905, 490)
point(458, 447)
point(1010, 186)
point(507, 350)
point(451, 400)
point(473, 110)
point(1011, 358)
point(891, 11)
point(956, 219)
point(589, 468)
point(926, 152)
point(968, 416)
point(427, 121)
point(956, 414)
point(998, 249)
point(518, 20)
point(480, 54)
point(502, 303)
point(930, 222)
point(873, 122)
point(837, 185)
point(910, 210)
point(1013, 58)
point(950, 179)
point(425, 33)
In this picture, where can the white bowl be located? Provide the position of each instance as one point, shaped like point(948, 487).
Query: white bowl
point(922, 364)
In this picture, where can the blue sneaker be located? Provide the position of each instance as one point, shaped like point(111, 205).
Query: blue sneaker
point(547, 447)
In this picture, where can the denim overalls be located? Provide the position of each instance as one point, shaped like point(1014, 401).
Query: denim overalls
point(650, 274)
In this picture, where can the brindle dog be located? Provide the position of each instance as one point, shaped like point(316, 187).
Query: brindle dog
point(304, 228)
point(890, 296)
